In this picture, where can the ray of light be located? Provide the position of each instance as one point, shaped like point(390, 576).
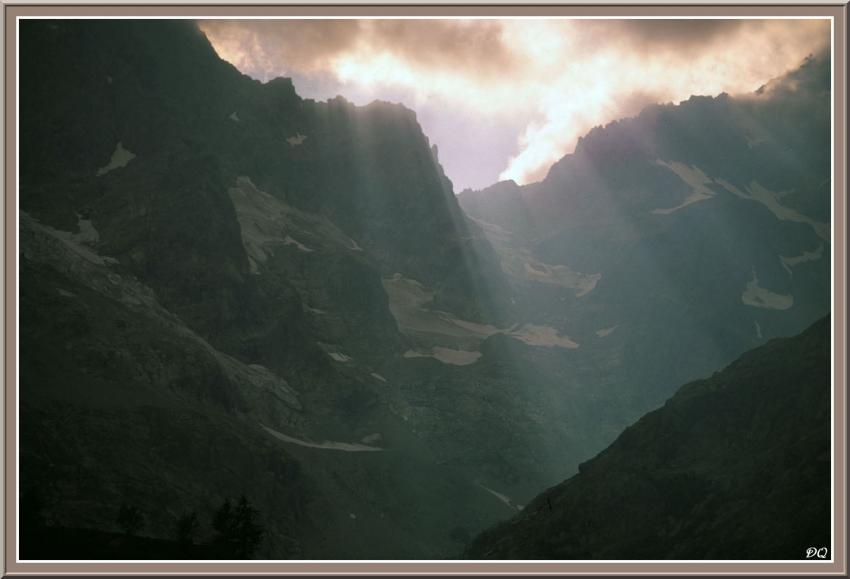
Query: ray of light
point(561, 77)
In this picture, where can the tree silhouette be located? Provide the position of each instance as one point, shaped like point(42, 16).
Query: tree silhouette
point(186, 528)
point(238, 530)
point(130, 519)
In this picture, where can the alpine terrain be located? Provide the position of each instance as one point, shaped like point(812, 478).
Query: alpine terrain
point(254, 325)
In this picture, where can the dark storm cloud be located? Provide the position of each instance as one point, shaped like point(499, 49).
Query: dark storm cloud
point(261, 46)
point(473, 47)
point(541, 82)
point(682, 35)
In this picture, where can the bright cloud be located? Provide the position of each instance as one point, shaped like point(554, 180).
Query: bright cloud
point(544, 82)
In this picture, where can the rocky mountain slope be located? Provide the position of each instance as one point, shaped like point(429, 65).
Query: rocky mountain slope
point(735, 466)
point(226, 290)
point(203, 310)
point(698, 230)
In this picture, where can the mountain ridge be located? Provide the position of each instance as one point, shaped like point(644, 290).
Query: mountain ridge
point(696, 206)
point(230, 280)
point(735, 466)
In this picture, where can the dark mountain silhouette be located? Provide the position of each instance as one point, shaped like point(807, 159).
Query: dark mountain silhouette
point(735, 466)
point(202, 265)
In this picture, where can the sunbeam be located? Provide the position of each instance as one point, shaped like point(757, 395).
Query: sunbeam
point(557, 78)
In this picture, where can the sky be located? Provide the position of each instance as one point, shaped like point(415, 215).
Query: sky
point(506, 98)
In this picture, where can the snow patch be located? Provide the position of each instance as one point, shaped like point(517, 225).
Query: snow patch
point(73, 241)
point(758, 331)
point(301, 247)
point(296, 140)
point(323, 445)
point(435, 329)
point(545, 336)
point(759, 297)
point(699, 181)
point(258, 377)
point(561, 275)
point(789, 262)
point(605, 331)
point(482, 329)
point(771, 200)
point(87, 234)
point(694, 177)
point(256, 211)
point(370, 438)
point(519, 262)
point(339, 357)
point(446, 355)
point(689, 200)
point(267, 224)
point(455, 357)
point(120, 158)
point(66, 294)
point(504, 498)
point(378, 377)
point(234, 117)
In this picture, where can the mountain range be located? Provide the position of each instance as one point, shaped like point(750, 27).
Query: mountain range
point(227, 290)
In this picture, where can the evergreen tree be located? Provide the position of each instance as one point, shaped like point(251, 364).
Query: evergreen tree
point(238, 529)
point(186, 528)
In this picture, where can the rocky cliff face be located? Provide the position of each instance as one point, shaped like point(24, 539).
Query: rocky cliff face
point(735, 466)
point(203, 306)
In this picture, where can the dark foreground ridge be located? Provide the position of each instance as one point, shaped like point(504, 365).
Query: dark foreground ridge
point(736, 466)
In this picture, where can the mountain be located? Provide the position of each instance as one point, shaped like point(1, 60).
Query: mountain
point(229, 291)
point(735, 466)
point(700, 229)
point(206, 270)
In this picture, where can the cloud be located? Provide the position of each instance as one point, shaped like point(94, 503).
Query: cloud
point(268, 48)
point(472, 46)
point(618, 67)
point(547, 81)
point(680, 35)
point(265, 46)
